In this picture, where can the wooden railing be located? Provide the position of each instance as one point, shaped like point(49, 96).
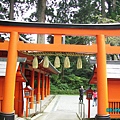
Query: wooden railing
point(114, 109)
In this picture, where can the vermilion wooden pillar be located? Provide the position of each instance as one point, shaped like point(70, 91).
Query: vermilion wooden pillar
point(48, 91)
point(102, 88)
point(38, 89)
point(46, 86)
point(9, 83)
point(43, 87)
point(32, 85)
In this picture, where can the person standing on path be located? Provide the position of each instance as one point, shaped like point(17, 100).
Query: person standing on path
point(81, 90)
point(94, 98)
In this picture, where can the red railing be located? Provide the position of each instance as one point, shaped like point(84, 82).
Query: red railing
point(114, 109)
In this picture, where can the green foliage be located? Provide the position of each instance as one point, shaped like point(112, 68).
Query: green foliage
point(56, 90)
point(63, 86)
point(53, 87)
point(67, 92)
point(70, 81)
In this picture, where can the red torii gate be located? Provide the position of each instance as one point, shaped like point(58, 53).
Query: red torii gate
point(100, 49)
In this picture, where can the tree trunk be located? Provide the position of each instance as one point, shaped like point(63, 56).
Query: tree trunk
point(41, 7)
point(103, 8)
point(114, 4)
point(11, 17)
point(109, 7)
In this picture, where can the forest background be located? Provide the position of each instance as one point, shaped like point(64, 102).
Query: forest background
point(68, 12)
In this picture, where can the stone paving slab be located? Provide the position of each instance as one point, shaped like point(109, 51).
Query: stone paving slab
point(59, 115)
point(65, 105)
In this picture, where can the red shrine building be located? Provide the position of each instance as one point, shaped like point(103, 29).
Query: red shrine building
point(113, 82)
point(26, 75)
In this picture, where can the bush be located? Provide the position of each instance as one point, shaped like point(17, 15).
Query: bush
point(63, 86)
point(67, 91)
point(53, 87)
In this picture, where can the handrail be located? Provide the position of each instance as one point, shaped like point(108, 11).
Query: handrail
point(81, 111)
point(36, 103)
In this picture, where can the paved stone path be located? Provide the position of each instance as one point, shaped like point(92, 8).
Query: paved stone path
point(65, 107)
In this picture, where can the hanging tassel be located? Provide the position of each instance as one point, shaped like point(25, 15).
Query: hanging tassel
point(66, 62)
point(46, 62)
point(35, 62)
point(79, 63)
point(57, 62)
point(115, 58)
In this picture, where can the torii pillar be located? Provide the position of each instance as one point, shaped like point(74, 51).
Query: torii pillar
point(9, 84)
point(102, 80)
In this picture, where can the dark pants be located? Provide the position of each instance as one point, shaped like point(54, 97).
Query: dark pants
point(81, 98)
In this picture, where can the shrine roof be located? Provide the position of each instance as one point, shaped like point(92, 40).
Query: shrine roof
point(60, 25)
point(113, 71)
